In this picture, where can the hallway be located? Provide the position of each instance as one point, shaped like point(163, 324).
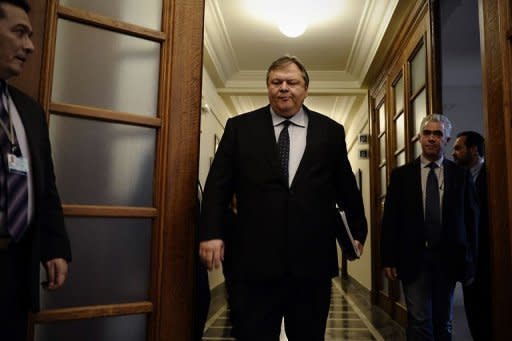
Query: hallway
point(351, 317)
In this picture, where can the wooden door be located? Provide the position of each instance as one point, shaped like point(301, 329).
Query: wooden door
point(121, 84)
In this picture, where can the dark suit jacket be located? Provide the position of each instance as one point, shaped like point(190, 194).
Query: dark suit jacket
point(403, 231)
point(281, 230)
point(46, 236)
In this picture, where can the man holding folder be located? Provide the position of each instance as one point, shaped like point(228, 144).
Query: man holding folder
point(288, 167)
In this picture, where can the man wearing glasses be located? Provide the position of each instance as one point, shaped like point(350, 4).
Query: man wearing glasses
point(429, 232)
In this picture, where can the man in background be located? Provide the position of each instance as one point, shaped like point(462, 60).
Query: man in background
point(288, 167)
point(468, 152)
point(429, 232)
point(31, 220)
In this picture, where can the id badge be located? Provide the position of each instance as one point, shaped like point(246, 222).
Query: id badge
point(17, 164)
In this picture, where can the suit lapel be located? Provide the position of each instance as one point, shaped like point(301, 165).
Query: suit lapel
point(416, 184)
point(448, 183)
point(23, 111)
point(31, 133)
point(267, 140)
point(25, 116)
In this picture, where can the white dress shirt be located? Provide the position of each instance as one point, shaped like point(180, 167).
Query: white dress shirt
point(298, 132)
point(21, 137)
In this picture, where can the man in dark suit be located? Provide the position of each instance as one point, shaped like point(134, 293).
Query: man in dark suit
point(288, 167)
point(429, 232)
point(31, 221)
point(468, 152)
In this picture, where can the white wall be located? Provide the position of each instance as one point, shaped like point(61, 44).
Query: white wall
point(213, 120)
point(361, 269)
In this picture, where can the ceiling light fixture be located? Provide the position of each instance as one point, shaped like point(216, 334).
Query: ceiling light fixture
point(292, 29)
point(293, 16)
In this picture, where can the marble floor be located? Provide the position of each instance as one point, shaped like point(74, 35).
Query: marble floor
point(351, 317)
point(346, 319)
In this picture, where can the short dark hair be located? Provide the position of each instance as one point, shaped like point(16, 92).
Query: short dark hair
point(286, 60)
point(23, 4)
point(473, 139)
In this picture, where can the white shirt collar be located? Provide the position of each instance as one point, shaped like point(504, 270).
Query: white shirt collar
point(425, 162)
point(298, 119)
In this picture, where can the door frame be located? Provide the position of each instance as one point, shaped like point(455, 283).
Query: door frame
point(172, 285)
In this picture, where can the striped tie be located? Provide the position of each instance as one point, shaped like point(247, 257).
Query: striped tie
point(14, 199)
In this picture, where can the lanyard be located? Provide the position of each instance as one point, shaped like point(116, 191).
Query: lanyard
point(9, 131)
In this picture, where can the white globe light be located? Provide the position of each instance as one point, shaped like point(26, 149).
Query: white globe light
point(292, 29)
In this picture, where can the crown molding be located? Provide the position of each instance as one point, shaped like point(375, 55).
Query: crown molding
point(374, 21)
point(217, 42)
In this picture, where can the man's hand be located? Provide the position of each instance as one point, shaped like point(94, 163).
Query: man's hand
point(56, 273)
point(212, 253)
point(390, 273)
point(359, 246)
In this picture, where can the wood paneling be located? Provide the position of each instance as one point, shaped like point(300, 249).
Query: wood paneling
point(384, 302)
point(434, 58)
point(87, 312)
point(110, 24)
point(400, 314)
point(173, 291)
point(416, 31)
point(373, 105)
point(81, 111)
point(46, 71)
point(496, 61)
point(109, 211)
point(171, 305)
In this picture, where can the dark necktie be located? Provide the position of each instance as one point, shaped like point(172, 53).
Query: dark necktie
point(14, 199)
point(283, 144)
point(432, 207)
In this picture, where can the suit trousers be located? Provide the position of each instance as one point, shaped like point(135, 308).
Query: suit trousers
point(477, 304)
point(14, 283)
point(429, 299)
point(258, 307)
point(202, 300)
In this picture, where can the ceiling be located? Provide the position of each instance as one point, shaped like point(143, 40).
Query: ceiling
point(337, 52)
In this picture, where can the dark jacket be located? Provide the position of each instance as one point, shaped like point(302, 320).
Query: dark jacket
point(403, 231)
point(281, 230)
point(47, 235)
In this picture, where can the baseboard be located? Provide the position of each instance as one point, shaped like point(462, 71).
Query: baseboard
point(357, 284)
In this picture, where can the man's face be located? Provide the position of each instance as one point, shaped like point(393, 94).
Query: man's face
point(15, 42)
point(433, 140)
point(286, 90)
point(461, 154)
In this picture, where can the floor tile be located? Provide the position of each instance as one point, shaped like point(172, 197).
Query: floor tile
point(347, 320)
